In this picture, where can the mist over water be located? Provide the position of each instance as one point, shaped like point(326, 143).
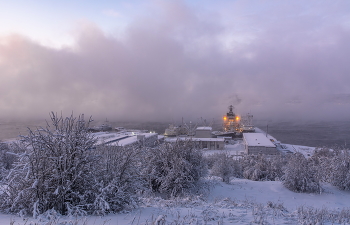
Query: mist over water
point(12, 129)
point(315, 134)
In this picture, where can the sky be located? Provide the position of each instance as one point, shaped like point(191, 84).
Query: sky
point(164, 60)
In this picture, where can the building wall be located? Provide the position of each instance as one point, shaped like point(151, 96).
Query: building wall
point(254, 150)
point(260, 149)
point(221, 145)
point(211, 145)
point(203, 134)
point(203, 143)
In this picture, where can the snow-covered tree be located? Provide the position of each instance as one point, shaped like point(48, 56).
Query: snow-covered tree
point(300, 175)
point(172, 168)
point(119, 178)
point(55, 169)
point(321, 160)
point(262, 167)
point(340, 169)
point(225, 166)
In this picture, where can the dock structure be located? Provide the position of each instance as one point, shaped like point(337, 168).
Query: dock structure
point(259, 143)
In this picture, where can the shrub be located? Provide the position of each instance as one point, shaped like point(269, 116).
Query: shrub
point(300, 176)
point(321, 160)
point(340, 167)
point(173, 168)
point(53, 171)
point(60, 168)
point(262, 167)
point(225, 166)
point(118, 178)
point(7, 159)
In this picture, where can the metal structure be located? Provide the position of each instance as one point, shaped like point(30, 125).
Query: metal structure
point(247, 123)
point(231, 121)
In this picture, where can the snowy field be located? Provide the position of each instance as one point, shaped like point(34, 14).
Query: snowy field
point(240, 202)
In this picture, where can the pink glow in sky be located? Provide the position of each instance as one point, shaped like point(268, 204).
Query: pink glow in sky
point(160, 60)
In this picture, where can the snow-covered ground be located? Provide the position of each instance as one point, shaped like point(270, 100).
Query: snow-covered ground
point(240, 202)
point(274, 191)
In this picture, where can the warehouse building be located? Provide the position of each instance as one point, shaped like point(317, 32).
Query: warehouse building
point(258, 143)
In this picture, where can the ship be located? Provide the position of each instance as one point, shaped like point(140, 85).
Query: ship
point(231, 121)
point(103, 127)
point(231, 125)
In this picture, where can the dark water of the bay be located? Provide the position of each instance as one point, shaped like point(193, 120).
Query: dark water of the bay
point(12, 129)
point(316, 134)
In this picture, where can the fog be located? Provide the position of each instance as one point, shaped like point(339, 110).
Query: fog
point(289, 61)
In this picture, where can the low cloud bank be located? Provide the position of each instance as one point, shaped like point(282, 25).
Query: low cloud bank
point(182, 62)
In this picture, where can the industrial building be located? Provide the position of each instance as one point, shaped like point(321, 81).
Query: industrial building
point(203, 132)
point(258, 143)
point(202, 143)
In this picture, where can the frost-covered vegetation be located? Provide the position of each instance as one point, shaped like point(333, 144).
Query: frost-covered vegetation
point(300, 175)
point(60, 169)
point(297, 173)
point(4, 164)
point(197, 211)
point(224, 166)
point(173, 168)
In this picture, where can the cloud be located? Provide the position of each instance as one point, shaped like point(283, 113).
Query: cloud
point(289, 62)
point(112, 13)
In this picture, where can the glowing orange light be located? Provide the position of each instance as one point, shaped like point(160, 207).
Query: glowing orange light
point(237, 118)
point(225, 118)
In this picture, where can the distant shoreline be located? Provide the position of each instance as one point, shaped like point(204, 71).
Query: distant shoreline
point(317, 134)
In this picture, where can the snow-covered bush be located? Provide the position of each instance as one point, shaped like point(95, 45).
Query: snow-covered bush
point(262, 167)
point(333, 166)
point(55, 169)
point(300, 175)
point(224, 166)
point(340, 170)
point(6, 159)
point(172, 168)
point(321, 160)
point(312, 215)
point(119, 178)
point(60, 168)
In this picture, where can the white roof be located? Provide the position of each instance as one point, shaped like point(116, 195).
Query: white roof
point(120, 138)
point(204, 128)
point(132, 139)
point(193, 139)
point(257, 139)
